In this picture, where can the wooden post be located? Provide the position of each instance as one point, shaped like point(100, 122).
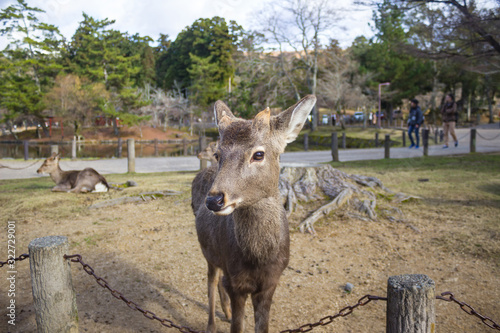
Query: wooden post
point(131, 155)
point(425, 139)
point(26, 152)
point(411, 304)
point(306, 141)
point(335, 147)
point(156, 147)
point(441, 135)
point(404, 138)
point(203, 145)
point(387, 146)
point(343, 140)
point(436, 136)
point(119, 149)
point(376, 139)
point(73, 148)
point(54, 149)
point(54, 297)
point(473, 140)
point(184, 146)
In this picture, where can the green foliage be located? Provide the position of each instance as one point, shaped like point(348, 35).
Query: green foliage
point(28, 64)
point(207, 44)
point(385, 56)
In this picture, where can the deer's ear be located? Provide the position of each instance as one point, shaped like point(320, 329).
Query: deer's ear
point(290, 122)
point(223, 116)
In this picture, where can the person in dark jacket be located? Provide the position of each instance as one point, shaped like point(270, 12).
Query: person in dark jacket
point(449, 114)
point(414, 122)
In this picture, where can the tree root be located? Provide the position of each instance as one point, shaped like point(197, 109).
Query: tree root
point(308, 224)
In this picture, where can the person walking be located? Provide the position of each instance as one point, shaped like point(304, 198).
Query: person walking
point(415, 120)
point(449, 115)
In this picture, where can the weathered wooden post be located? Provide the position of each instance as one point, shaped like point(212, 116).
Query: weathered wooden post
point(425, 139)
point(473, 140)
point(184, 146)
point(376, 139)
point(343, 140)
point(156, 147)
point(131, 155)
point(335, 147)
point(119, 148)
point(203, 145)
point(387, 146)
point(306, 141)
point(73, 148)
point(53, 293)
point(411, 304)
point(54, 149)
point(404, 138)
point(26, 151)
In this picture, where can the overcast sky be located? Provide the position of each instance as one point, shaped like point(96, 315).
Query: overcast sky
point(152, 17)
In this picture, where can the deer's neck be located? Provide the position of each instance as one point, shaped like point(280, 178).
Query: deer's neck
point(57, 175)
point(259, 230)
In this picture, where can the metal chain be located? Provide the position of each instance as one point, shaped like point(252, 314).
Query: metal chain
point(134, 306)
point(468, 309)
point(488, 139)
point(20, 258)
point(342, 313)
point(26, 167)
point(463, 136)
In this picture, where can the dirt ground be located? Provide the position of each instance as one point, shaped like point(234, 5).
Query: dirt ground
point(150, 253)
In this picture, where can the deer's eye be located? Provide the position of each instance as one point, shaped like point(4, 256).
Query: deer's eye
point(258, 156)
point(216, 156)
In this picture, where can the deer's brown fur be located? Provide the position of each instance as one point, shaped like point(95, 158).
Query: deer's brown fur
point(242, 227)
point(75, 181)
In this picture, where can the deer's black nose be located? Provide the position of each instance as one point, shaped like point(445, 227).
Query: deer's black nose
point(215, 202)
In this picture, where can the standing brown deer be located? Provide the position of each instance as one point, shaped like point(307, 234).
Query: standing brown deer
point(75, 181)
point(242, 227)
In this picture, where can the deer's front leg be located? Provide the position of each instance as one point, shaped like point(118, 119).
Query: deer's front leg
point(213, 273)
point(61, 188)
point(262, 306)
point(224, 299)
point(238, 311)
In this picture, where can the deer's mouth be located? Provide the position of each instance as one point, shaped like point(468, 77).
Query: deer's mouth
point(226, 210)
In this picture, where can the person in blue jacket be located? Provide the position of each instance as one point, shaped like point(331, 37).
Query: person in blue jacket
point(415, 120)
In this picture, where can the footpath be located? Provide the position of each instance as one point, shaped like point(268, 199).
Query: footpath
point(487, 141)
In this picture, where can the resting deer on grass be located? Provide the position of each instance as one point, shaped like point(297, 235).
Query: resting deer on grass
point(75, 181)
point(242, 227)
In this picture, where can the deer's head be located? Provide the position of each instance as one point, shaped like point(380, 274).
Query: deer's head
point(248, 154)
point(50, 164)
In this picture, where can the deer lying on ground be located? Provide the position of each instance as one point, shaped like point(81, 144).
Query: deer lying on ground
point(75, 181)
point(242, 227)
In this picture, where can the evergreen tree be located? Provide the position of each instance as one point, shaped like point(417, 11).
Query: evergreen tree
point(29, 62)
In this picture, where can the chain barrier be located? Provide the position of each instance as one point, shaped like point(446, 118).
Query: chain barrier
point(26, 167)
point(118, 295)
point(488, 139)
point(445, 296)
point(342, 313)
point(463, 136)
point(20, 258)
point(469, 309)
